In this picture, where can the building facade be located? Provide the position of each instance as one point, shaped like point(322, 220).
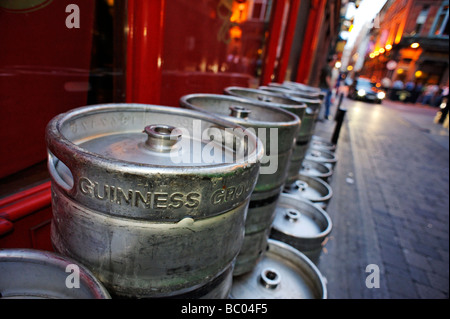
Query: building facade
point(411, 43)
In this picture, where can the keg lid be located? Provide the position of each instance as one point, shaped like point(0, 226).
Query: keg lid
point(283, 273)
point(312, 100)
point(239, 110)
point(320, 155)
point(30, 273)
point(298, 91)
point(152, 162)
point(268, 98)
point(315, 169)
point(300, 218)
point(317, 141)
point(250, 114)
point(311, 188)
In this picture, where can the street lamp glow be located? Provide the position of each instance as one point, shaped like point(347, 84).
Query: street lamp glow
point(415, 45)
point(371, 55)
point(388, 47)
point(338, 65)
point(381, 50)
point(418, 74)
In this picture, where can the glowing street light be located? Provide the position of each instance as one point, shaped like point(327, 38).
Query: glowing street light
point(415, 45)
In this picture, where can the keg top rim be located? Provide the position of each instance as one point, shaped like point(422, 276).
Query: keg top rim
point(262, 118)
point(53, 261)
point(58, 143)
point(312, 221)
point(290, 102)
point(284, 259)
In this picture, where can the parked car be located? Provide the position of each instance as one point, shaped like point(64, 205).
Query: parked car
point(365, 90)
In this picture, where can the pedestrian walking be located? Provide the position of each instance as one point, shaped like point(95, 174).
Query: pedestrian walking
point(326, 85)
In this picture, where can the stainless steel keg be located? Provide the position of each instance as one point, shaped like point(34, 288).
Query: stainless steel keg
point(320, 142)
point(302, 87)
point(38, 274)
point(311, 188)
point(301, 224)
point(321, 155)
point(152, 199)
point(277, 130)
point(316, 169)
point(283, 273)
point(309, 119)
point(290, 91)
point(295, 106)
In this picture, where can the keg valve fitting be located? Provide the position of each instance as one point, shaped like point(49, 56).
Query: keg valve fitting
point(270, 278)
point(239, 112)
point(161, 138)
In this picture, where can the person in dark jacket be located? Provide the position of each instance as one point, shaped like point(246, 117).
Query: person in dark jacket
point(325, 84)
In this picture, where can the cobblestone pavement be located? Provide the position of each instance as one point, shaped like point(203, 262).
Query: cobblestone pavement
point(390, 204)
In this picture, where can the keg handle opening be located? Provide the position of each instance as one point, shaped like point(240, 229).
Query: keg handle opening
point(270, 278)
point(161, 138)
point(239, 112)
point(60, 172)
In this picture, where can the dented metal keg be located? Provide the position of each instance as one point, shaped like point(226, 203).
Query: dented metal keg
point(277, 130)
point(38, 274)
point(315, 169)
point(311, 188)
point(301, 224)
point(152, 199)
point(297, 107)
point(283, 273)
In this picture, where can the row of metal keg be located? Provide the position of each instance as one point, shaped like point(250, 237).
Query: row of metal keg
point(163, 202)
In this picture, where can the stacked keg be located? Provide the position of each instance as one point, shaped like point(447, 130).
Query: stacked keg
point(277, 130)
point(32, 273)
point(220, 198)
point(273, 273)
point(301, 219)
point(135, 202)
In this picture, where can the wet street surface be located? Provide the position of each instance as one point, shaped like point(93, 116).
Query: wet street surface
point(390, 204)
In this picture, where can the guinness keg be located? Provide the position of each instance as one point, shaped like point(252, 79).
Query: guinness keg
point(295, 106)
point(283, 273)
point(38, 274)
point(321, 143)
point(301, 224)
point(277, 130)
point(152, 199)
point(316, 169)
point(311, 188)
point(321, 155)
